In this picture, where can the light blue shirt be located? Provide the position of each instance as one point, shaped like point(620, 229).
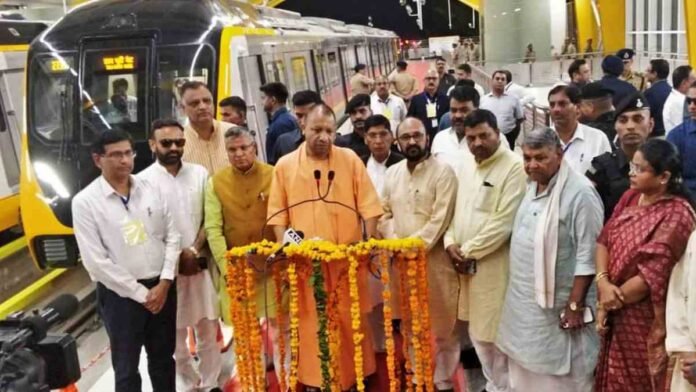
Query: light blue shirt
point(527, 333)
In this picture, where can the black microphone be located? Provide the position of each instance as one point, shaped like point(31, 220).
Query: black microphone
point(317, 177)
point(331, 176)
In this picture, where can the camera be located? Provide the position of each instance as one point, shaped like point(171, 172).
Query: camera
point(32, 359)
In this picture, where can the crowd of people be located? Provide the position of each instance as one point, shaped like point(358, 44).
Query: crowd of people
point(551, 255)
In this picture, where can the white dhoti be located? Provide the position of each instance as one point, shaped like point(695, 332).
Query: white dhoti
point(198, 309)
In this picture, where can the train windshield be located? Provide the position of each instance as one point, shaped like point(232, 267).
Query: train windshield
point(52, 82)
point(178, 64)
point(114, 92)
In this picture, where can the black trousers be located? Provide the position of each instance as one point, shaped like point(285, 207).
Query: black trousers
point(512, 136)
point(130, 327)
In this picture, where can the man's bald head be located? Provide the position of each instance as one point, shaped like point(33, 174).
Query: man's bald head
point(410, 124)
point(321, 110)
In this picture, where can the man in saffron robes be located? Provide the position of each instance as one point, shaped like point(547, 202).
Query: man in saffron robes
point(293, 182)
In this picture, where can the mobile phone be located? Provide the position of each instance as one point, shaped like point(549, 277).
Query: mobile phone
point(587, 315)
point(466, 267)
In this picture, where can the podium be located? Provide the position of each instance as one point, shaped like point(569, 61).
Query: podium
point(314, 277)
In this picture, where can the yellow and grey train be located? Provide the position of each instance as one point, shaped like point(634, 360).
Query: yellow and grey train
point(15, 36)
point(152, 46)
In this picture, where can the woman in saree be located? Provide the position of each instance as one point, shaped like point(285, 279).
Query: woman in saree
point(636, 251)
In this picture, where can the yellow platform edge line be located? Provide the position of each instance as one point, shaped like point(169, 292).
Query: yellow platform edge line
point(13, 247)
point(22, 299)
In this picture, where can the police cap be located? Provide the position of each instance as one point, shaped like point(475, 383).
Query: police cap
point(626, 54)
point(635, 101)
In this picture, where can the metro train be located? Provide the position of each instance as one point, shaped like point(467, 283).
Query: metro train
point(155, 45)
point(15, 36)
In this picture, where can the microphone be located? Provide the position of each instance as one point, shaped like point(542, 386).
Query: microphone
point(291, 236)
point(331, 176)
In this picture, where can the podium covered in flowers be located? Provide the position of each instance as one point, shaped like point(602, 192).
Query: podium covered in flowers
point(390, 260)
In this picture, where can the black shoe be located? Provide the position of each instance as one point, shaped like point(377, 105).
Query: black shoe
point(216, 390)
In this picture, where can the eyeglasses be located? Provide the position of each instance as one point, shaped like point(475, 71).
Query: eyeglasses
point(417, 137)
point(690, 100)
point(119, 155)
point(634, 169)
point(166, 143)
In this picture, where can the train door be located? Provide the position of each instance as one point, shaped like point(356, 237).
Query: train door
point(11, 114)
point(253, 75)
point(300, 76)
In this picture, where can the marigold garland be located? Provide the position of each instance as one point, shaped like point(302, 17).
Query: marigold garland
point(280, 324)
point(409, 253)
point(388, 329)
point(294, 326)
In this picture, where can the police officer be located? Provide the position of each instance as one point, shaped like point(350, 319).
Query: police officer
point(609, 171)
point(612, 66)
point(637, 79)
point(597, 110)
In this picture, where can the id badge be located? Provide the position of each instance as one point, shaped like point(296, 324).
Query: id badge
point(433, 122)
point(133, 232)
point(387, 113)
point(431, 110)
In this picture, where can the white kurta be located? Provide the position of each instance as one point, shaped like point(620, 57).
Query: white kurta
point(196, 295)
point(487, 200)
point(681, 313)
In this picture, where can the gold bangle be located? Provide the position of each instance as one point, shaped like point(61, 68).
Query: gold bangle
point(601, 276)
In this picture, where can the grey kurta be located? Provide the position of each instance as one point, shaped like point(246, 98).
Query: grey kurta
point(421, 204)
point(528, 334)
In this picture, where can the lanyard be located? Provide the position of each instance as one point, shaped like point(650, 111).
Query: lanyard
point(125, 200)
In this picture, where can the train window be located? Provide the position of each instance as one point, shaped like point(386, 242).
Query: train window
point(177, 65)
point(300, 77)
point(333, 69)
point(51, 96)
point(275, 72)
point(114, 92)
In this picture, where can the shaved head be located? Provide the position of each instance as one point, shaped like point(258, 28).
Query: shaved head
point(321, 110)
point(410, 123)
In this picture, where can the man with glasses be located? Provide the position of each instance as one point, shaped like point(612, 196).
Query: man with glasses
point(236, 199)
point(418, 199)
point(379, 139)
point(684, 137)
point(130, 246)
point(183, 185)
point(204, 134)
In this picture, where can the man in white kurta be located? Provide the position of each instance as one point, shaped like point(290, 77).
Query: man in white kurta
point(491, 186)
point(183, 184)
point(549, 344)
point(418, 196)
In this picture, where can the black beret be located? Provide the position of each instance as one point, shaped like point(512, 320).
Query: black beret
point(595, 90)
point(635, 101)
point(625, 54)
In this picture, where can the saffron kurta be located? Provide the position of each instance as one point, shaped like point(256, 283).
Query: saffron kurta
point(488, 197)
point(293, 182)
point(235, 211)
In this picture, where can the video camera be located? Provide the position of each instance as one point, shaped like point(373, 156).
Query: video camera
point(33, 360)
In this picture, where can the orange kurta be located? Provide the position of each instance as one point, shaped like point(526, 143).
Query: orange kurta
point(293, 182)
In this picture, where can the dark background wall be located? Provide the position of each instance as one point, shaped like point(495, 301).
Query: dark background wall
point(389, 15)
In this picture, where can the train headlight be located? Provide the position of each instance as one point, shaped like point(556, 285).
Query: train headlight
point(48, 176)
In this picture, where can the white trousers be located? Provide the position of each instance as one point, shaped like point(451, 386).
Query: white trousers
point(209, 359)
point(275, 332)
point(578, 380)
point(494, 366)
